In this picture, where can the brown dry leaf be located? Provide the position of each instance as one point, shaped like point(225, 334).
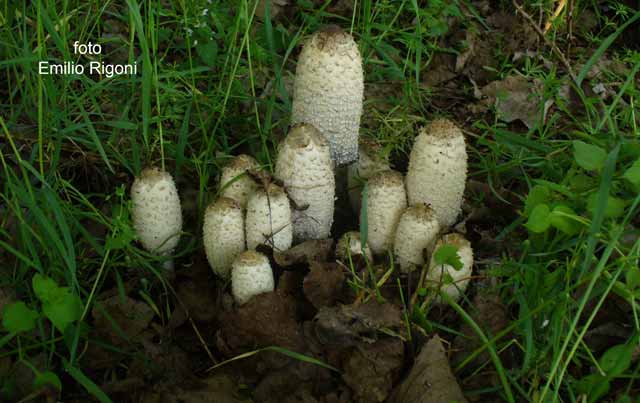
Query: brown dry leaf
point(215, 389)
point(430, 379)
point(132, 318)
point(306, 252)
point(324, 284)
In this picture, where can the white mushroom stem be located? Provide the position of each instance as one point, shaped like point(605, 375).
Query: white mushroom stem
point(416, 232)
point(223, 233)
point(385, 203)
point(438, 170)
point(268, 219)
point(329, 89)
point(453, 282)
point(304, 166)
point(370, 162)
point(251, 275)
point(156, 212)
point(350, 245)
point(235, 183)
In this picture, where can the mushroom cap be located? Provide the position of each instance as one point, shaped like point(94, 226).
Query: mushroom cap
point(268, 219)
point(370, 161)
point(235, 183)
point(251, 274)
point(304, 166)
point(350, 244)
point(329, 89)
point(435, 274)
point(438, 170)
point(156, 211)
point(223, 234)
point(385, 203)
point(416, 232)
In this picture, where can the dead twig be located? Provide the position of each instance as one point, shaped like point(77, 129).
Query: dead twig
point(561, 6)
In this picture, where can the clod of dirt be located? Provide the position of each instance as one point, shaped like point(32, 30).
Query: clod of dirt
point(199, 301)
point(324, 284)
point(372, 369)
point(216, 389)
point(305, 253)
point(430, 379)
point(130, 316)
point(347, 325)
point(292, 382)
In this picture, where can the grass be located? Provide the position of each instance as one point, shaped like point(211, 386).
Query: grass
point(213, 83)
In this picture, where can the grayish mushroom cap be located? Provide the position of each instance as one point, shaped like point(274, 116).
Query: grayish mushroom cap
point(235, 183)
point(268, 219)
point(437, 274)
point(416, 232)
point(251, 275)
point(223, 234)
point(385, 203)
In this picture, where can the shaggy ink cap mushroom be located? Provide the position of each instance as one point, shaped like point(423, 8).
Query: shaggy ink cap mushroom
point(385, 203)
point(438, 170)
point(351, 245)
point(304, 166)
point(268, 219)
point(370, 161)
point(251, 275)
point(329, 89)
point(438, 273)
point(223, 234)
point(234, 181)
point(156, 211)
point(416, 232)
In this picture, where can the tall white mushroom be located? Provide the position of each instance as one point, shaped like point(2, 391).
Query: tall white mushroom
point(370, 161)
point(156, 211)
point(235, 183)
point(417, 231)
point(268, 219)
point(453, 282)
point(385, 202)
point(223, 233)
point(304, 166)
point(329, 89)
point(438, 170)
point(251, 275)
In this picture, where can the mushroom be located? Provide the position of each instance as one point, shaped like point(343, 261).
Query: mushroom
point(438, 170)
point(370, 162)
point(223, 233)
point(329, 89)
point(417, 231)
point(268, 219)
point(350, 245)
point(234, 181)
point(385, 203)
point(156, 211)
point(304, 166)
point(438, 274)
point(251, 275)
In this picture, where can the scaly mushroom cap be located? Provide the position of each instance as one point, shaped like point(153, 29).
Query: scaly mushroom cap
point(385, 203)
point(369, 163)
point(251, 275)
point(436, 273)
point(438, 170)
point(417, 231)
point(304, 166)
point(223, 233)
point(329, 89)
point(268, 219)
point(234, 181)
point(350, 244)
point(156, 212)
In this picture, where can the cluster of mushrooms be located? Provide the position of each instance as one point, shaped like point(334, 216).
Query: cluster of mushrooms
point(406, 215)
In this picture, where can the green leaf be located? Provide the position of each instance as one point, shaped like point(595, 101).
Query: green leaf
point(539, 220)
point(588, 156)
point(66, 308)
point(448, 255)
point(633, 174)
point(208, 52)
point(616, 360)
point(47, 378)
point(18, 317)
point(633, 277)
point(581, 183)
point(595, 386)
point(559, 220)
point(614, 208)
point(43, 287)
point(538, 194)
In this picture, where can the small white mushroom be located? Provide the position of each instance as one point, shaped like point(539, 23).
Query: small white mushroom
point(223, 233)
point(417, 231)
point(385, 203)
point(305, 168)
point(370, 162)
point(438, 170)
point(156, 211)
point(251, 275)
point(350, 244)
point(329, 89)
point(235, 183)
point(439, 274)
point(268, 219)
